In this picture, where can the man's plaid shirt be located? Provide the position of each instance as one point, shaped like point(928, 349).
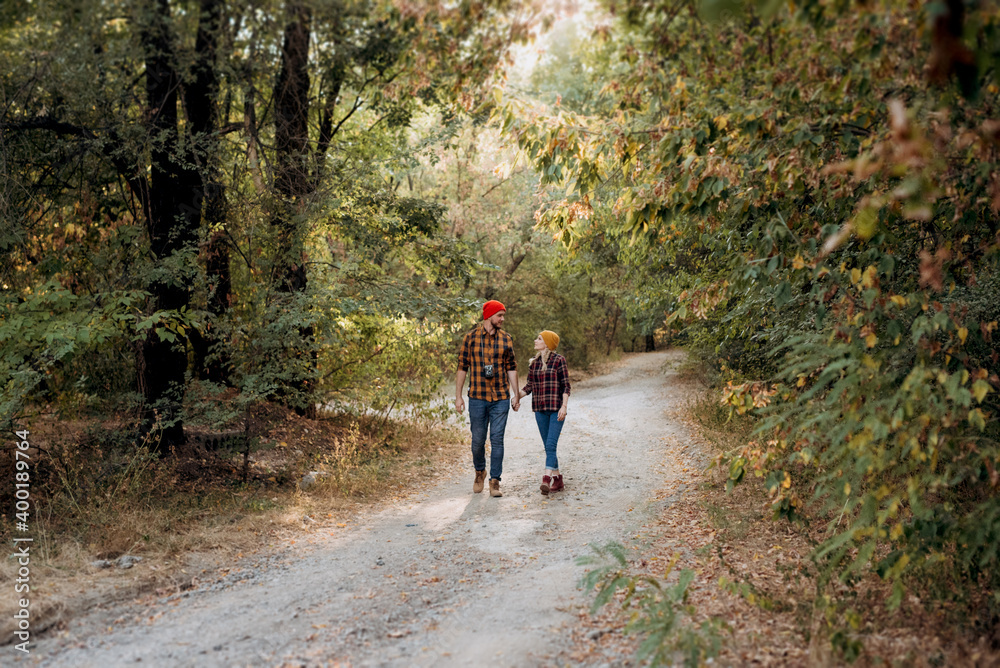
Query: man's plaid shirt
point(547, 386)
point(480, 347)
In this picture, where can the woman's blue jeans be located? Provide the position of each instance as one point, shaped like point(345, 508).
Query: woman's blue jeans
point(491, 414)
point(549, 427)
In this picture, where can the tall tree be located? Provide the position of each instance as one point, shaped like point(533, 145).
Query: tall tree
point(131, 140)
point(291, 133)
point(173, 206)
point(201, 102)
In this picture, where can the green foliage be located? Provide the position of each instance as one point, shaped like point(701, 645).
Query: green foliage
point(661, 614)
point(491, 219)
point(47, 328)
point(334, 289)
point(814, 198)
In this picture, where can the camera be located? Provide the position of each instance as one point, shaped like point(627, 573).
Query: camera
point(488, 370)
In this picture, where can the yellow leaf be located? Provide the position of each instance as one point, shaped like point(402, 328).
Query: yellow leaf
point(896, 532)
point(977, 419)
point(898, 300)
point(868, 280)
point(980, 389)
point(963, 333)
point(787, 482)
point(855, 276)
point(847, 489)
point(866, 222)
point(871, 340)
point(798, 262)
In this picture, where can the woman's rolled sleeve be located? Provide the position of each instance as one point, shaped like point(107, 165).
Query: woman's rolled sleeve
point(564, 387)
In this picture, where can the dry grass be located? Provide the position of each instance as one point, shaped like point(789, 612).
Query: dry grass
point(755, 574)
point(759, 578)
point(99, 497)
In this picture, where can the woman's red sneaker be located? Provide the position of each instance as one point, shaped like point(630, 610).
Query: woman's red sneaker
point(545, 484)
point(557, 483)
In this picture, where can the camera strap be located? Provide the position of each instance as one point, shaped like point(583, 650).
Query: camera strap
point(482, 347)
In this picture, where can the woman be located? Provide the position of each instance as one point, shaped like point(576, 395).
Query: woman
point(548, 383)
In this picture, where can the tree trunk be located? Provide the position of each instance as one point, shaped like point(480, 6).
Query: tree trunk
point(292, 160)
point(291, 135)
point(327, 129)
point(614, 331)
point(291, 130)
point(172, 218)
point(201, 101)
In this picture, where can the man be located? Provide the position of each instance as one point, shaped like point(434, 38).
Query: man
point(488, 352)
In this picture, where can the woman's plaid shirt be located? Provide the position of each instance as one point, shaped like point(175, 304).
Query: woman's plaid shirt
point(480, 347)
point(547, 386)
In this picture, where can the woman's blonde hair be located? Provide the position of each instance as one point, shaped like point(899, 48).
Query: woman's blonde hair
point(545, 358)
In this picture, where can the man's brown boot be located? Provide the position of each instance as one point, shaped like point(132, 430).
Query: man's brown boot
point(495, 487)
point(477, 486)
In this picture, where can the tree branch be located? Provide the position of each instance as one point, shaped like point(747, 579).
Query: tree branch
point(135, 181)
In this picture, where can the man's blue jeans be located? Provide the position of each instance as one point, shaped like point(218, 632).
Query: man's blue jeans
point(491, 414)
point(549, 427)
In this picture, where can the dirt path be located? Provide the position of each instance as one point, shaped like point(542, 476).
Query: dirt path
point(444, 578)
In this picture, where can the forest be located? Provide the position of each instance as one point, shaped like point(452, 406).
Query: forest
point(212, 208)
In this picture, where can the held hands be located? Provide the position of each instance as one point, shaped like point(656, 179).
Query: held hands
point(515, 403)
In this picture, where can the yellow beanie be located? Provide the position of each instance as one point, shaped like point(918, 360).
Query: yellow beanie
point(551, 339)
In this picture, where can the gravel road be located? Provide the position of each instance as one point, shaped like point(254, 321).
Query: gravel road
point(443, 578)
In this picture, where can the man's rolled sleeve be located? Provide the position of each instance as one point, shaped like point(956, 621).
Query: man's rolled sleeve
point(511, 359)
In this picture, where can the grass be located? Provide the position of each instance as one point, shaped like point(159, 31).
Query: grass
point(766, 577)
point(100, 493)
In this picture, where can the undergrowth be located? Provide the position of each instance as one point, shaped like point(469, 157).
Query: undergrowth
point(661, 614)
point(845, 619)
point(100, 491)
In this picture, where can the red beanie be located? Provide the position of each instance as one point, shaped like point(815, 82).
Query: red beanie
point(491, 308)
